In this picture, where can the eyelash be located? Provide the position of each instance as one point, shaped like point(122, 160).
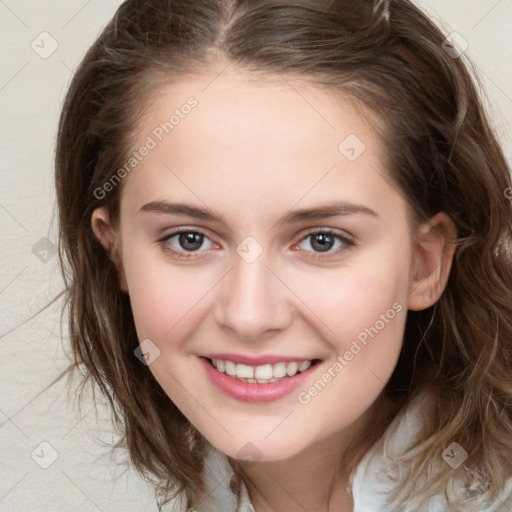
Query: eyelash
point(345, 241)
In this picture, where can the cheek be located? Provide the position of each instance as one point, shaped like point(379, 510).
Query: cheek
point(163, 297)
point(365, 315)
point(350, 300)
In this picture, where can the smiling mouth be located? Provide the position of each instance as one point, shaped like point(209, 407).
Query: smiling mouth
point(263, 374)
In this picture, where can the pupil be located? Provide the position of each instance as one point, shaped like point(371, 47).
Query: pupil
point(191, 241)
point(322, 242)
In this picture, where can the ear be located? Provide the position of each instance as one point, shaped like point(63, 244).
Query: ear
point(109, 238)
point(433, 255)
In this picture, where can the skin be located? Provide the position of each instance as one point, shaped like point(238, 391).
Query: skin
point(252, 151)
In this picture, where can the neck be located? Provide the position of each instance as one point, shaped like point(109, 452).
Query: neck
point(296, 485)
point(316, 479)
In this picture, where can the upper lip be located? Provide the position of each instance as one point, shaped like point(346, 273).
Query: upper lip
point(256, 360)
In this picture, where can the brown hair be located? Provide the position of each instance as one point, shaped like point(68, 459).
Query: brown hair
point(443, 156)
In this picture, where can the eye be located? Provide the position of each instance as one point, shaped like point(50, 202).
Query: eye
point(186, 241)
point(325, 241)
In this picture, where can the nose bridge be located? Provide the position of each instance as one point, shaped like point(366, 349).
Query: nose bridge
point(253, 300)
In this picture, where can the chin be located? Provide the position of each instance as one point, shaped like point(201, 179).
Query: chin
point(259, 449)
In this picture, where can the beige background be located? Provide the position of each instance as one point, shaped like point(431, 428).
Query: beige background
point(80, 477)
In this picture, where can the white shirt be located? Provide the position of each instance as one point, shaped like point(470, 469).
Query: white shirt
point(370, 480)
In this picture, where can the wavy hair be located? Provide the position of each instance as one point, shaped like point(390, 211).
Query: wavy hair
point(442, 154)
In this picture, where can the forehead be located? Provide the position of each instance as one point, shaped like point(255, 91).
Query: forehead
point(232, 99)
point(252, 135)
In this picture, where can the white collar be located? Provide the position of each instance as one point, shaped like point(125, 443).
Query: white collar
point(370, 480)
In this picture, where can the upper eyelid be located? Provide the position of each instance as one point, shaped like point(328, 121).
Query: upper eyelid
point(348, 240)
point(184, 229)
point(343, 236)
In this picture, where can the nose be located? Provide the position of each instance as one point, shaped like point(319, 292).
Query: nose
point(253, 302)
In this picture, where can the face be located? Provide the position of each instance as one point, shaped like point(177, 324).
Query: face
point(268, 259)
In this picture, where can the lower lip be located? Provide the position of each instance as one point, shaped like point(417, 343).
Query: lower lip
point(254, 392)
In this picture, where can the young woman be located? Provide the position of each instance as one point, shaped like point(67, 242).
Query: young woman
point(286, 236)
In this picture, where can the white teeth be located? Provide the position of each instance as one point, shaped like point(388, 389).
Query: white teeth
point(262, 374)
point(292, 368)
point(230, 368)
point(244, 372)
point(279, 370)
point(304, 366)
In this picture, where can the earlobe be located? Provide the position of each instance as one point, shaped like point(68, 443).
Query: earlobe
point(433, 255)
point(109, 239)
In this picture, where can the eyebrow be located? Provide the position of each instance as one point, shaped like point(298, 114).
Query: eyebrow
point(180, 209)
point(325, 211)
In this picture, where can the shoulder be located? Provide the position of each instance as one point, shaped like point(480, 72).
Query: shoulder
point(372, 480)
point(225, 491)
point(377, 475)
point(380, 472)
